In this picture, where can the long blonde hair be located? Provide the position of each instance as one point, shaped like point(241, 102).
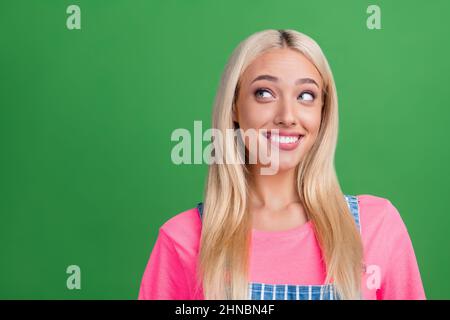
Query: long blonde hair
point(226, 227)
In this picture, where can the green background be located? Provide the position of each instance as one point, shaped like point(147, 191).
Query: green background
point(86, 116)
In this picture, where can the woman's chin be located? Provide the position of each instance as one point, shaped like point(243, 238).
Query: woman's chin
point(284, 164)
point(287, 165)
point(289, 161)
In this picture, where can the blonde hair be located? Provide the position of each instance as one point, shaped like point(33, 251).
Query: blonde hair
point(226, 226)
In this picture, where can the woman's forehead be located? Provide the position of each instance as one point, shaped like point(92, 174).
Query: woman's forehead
point(286, 65)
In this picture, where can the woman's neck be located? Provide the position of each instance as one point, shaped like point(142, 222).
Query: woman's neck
point(273, 192)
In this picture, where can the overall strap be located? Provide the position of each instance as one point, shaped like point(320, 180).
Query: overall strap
point(352, 202)
point(200, 209)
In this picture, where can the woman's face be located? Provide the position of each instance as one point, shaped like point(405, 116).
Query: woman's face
point(281, 89)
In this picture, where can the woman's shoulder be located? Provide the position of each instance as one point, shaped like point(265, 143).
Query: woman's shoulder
point(378, 214)
point(183, 227)
point(374, 205)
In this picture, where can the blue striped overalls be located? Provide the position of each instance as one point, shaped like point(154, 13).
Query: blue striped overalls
point(266, 291)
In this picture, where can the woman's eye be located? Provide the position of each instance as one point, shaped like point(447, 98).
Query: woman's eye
point(307, 96)
point(263, 93)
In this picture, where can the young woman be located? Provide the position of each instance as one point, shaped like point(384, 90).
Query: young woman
point(292, 234)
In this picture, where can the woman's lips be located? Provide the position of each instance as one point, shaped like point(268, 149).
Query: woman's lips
point(285, 141)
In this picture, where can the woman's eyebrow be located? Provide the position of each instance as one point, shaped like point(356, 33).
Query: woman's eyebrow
point(275, 79)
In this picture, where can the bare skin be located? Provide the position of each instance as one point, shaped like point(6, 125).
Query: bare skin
point(289, 105)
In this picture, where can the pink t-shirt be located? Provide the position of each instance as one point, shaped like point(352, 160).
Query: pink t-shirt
point(290, 257)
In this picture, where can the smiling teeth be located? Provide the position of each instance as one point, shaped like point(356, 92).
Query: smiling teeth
point(284, 139)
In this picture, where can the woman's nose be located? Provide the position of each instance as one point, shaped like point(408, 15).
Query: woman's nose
point(285, 114)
